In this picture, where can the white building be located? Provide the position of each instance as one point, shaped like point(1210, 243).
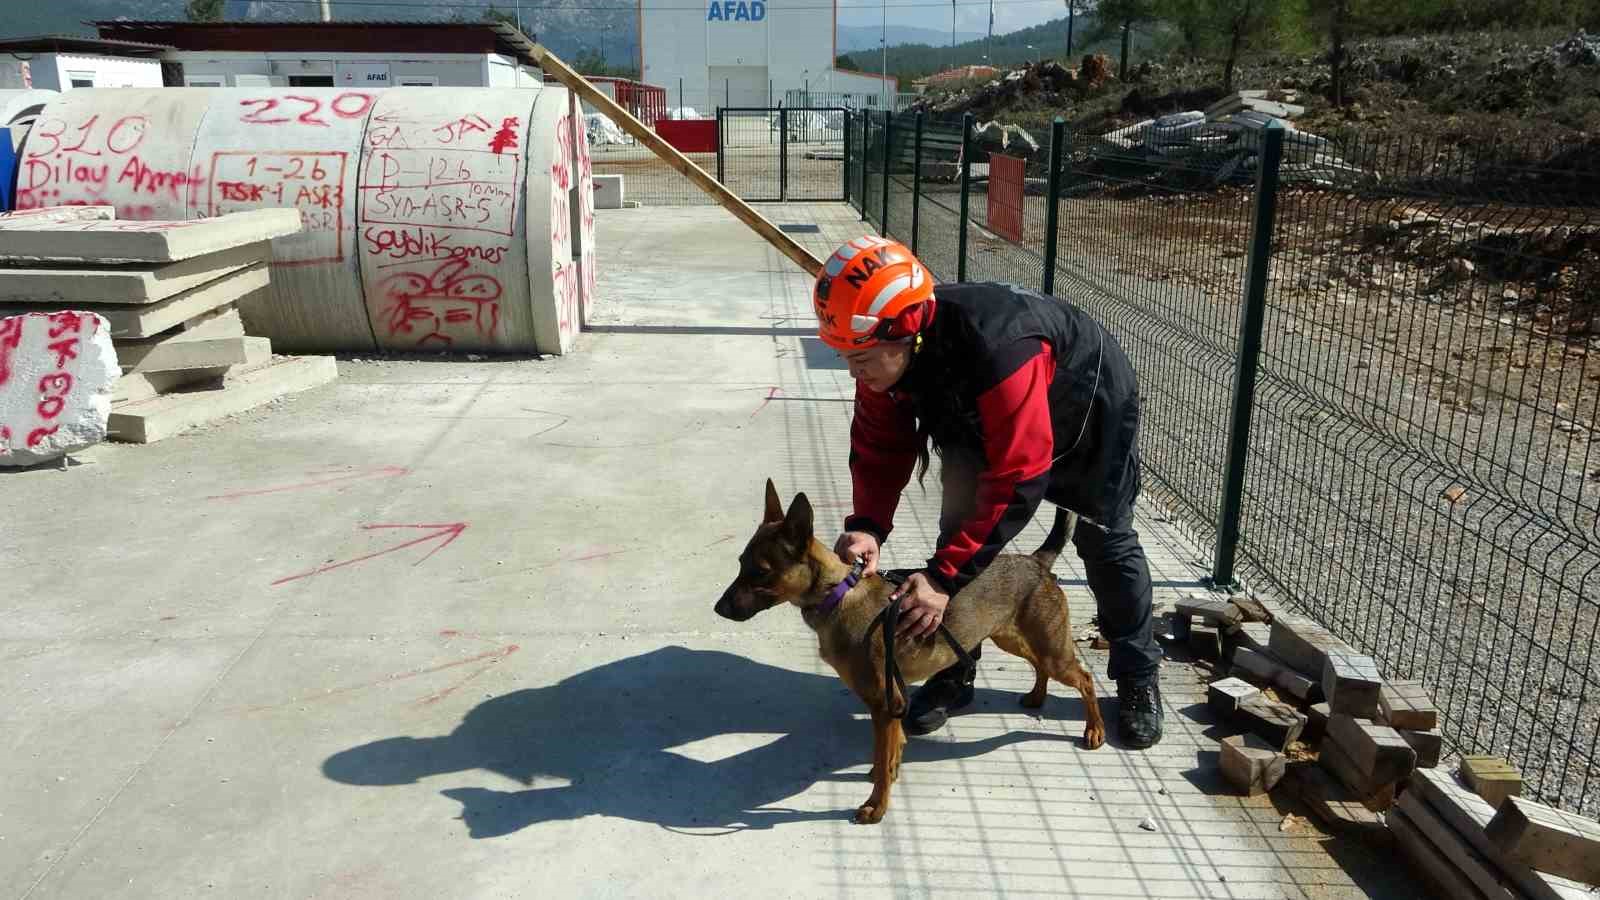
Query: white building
point(63, 62)
point(333, 54)
point(746, 53)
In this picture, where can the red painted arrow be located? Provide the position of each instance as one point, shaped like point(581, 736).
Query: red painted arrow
point(449, 532)
point(380, 472)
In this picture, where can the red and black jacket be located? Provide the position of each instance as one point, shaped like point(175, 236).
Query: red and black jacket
point(1015, 378)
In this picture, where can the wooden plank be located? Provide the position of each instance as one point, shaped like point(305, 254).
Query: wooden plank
point(1430, 861)
point(150, 320)
point(145, 421)
point(1331, 801)
point(1378, 751)
point(1547, 839)
point(1460, 853)
point(1303, 645)
point(728, 200)
point(134, 283)
point(1468, 814)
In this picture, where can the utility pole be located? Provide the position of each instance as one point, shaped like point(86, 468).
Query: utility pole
point(327, 10)
point(883, 41)
point(988, 45)
point(1072, 9)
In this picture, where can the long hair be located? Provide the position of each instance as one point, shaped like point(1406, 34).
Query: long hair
point(942, 400)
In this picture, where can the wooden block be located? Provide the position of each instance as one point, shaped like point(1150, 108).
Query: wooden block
point(1255, 635)
point(1250, 765)
point(1351, 683)
point(1252, 610)
point(1316, 722)
point(1468, 814)
point(1331, 802)
point(1276, 723)
point(1361, 784)
point(1492, 777)
point(1378, 751)
point(1547, 839)
point(1205, 642)
point(213, 342)
point(1303, 645)
point(138, 283)
point(1406, 705)
point(1215, 612)
point(150, 420)
point(1180, 627)
point(129, 322)
point(1463, 857)
point(1427, 744)
point(1262, 669)
point(1428, 859)
point(1225, 696)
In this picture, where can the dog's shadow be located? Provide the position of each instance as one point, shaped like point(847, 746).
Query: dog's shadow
point(610, 733)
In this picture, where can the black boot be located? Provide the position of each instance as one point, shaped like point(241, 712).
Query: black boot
point(1139, 718)
point(931, 704)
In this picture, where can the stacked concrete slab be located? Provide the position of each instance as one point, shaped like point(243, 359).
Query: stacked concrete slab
point(435, 218)
point(168, 293)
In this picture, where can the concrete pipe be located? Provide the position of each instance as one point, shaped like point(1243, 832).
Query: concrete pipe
point(435, 218)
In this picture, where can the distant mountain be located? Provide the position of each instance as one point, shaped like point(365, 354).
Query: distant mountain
point(909, 62)
point(865, 37)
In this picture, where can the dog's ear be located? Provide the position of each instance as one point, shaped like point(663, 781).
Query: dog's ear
point(774, 511)
point(797, 524)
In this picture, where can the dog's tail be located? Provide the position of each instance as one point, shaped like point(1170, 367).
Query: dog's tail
point(1056, 540)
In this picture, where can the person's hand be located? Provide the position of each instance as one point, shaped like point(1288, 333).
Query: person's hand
point(854, 545)
point(921, 608)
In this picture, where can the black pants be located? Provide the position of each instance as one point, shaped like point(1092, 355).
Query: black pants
point(1113, 561)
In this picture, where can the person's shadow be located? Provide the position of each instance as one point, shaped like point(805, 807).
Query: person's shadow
point(607, 731)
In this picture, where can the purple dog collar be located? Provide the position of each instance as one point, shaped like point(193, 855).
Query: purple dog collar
point(840, 589)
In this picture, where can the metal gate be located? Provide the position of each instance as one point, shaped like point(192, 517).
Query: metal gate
point(775, 154)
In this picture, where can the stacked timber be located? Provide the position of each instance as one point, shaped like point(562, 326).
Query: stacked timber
point(169, 291)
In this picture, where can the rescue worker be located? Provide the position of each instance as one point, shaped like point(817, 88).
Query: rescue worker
point(1024, 398)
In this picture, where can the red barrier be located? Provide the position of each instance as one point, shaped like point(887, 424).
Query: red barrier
point(1005, 196)
point(689, 135)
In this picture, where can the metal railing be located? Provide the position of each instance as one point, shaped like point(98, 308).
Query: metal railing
point(1369, 374)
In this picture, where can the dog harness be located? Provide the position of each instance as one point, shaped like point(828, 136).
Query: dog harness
point(892, 675)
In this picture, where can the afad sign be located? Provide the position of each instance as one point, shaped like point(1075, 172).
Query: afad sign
point(736, 11)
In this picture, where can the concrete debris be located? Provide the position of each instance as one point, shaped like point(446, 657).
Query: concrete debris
point(601, 130)
point(57, 370)
point(169, 325)
point(1047, 80)
point(1147, 823)
point(1224, 141)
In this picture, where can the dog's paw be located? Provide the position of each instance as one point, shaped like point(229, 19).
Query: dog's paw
point(1094, 736)
point(869, 814)
point(1032, 700)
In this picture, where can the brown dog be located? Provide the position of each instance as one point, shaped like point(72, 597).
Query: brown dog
point(1015, 601)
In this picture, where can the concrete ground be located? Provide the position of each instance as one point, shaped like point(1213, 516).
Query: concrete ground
point(443, 629)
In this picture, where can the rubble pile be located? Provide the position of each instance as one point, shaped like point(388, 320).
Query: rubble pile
point(1047, 81)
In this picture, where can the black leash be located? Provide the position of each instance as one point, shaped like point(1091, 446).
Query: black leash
point(891, 669)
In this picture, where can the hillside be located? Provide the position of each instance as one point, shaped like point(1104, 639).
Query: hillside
point(1044, 41)
point(857, 38)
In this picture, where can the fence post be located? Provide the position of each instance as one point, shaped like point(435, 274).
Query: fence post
point(783, 154)
point(846, 165)
point(916, 185)
point(866, 153)
point(1052, 213)
point(1244, 382)
point(883, 211)
point(966, 193)
point(720, 169)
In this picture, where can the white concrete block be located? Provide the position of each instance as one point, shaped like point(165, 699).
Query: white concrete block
point(134, 386)
point(608, 193)
point(151, 420)
point(128, 322)
point(154, 241)
point(136, 283)
point(57, 371)
point(28, 218)
point(217, 341)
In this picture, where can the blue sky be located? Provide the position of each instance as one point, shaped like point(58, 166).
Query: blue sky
point(971, 16)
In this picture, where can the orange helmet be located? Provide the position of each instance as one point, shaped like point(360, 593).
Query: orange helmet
point(867, 282)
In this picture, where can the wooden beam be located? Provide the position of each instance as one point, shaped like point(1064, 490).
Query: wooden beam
point(786, 245)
